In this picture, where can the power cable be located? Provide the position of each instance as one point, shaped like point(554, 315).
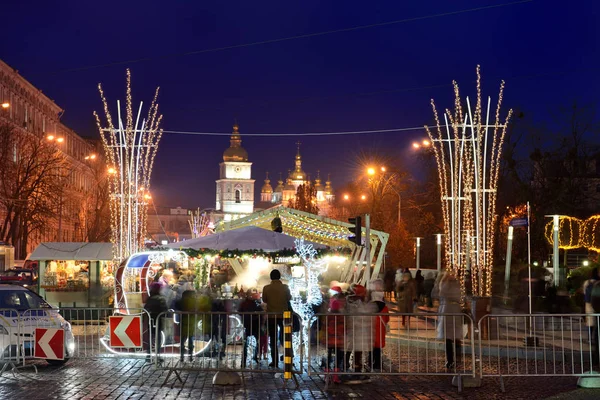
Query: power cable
point(298, 134)
point(304, 36)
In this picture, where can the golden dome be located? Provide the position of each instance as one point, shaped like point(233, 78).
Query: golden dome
point(235, 152)
point(318, 185)
point(328, 188)
point(279, 188)
point(289, 185)
point(267, 188)
point(298, 174)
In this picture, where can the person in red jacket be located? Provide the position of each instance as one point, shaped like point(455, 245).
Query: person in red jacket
point(379, 328)
point(335, 337)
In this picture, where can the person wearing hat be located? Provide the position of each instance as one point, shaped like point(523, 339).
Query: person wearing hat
point(277, 297)
point(359, 327)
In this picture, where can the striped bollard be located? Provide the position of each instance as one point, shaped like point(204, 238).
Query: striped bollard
point(287, 345)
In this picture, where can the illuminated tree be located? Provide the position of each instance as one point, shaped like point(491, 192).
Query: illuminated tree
point(130, 148)
point(467, 149)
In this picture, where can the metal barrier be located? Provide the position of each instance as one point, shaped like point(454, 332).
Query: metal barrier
point(219, 341)
point(538, 345)
point(357, 346)
point(86, 333)
point(11, 352)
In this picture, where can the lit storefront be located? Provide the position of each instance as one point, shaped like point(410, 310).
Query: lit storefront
point(75, 274)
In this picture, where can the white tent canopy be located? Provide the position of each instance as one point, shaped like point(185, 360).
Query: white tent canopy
point(246, 238)
point(78, 251)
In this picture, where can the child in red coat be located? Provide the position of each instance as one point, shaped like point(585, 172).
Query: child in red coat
point(335, 337)
point(379, 328)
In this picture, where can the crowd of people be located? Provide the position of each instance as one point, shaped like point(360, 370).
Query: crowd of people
point(352, 324)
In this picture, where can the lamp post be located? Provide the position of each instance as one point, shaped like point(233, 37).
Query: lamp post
point(438, 241)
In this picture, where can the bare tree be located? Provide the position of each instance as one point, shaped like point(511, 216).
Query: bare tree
point(30, 172)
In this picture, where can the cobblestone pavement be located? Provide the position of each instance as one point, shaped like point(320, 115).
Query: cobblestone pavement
point(133, 379)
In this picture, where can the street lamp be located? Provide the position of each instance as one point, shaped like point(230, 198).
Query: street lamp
point(112, 171)
point(371, 171)
point(346, 197)
point(363, 197)
point(90, 157)
point(5, 105)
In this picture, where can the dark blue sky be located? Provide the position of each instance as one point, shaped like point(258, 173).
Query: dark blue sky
point(547, 51)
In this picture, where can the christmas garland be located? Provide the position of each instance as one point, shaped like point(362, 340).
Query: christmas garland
point(235, 253)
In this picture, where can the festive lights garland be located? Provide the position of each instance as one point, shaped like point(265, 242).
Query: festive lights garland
point(468, 171)
point(235, 253)
point(130, 150)
point(574, 233)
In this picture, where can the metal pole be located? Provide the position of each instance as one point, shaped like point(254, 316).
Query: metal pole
point(555, 261)
point(439, 252)
point(418, 252)
point(368, 247)
point(508, 259)
point(529, 269)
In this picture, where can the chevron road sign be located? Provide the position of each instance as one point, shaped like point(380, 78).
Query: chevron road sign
point(125, 331)
point(49, 343)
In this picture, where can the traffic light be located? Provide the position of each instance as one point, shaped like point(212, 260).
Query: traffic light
point(356, 230)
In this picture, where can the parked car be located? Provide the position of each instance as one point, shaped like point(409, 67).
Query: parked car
point(20, 276)
point(21, 311)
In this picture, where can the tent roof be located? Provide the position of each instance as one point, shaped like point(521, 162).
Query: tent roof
point(79, 251)
point(246, 238)
point(315, 228)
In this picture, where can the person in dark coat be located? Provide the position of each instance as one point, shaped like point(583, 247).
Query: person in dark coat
point(419, 284)
point(188, 305)
point(389, 283)
point(155, 306)
point(252, 322)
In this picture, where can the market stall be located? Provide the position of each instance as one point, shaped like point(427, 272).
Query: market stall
point(241, 256)
point(75, 274)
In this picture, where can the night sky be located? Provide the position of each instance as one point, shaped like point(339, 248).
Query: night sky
point(379, 77)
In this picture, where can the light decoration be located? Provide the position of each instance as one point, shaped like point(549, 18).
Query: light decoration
point(200, 224)
point(305, 291)
point(468, 169)
point(574, 233)
point(570, 232)
point(130, 150)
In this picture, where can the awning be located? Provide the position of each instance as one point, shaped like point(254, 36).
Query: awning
point(245, 238)
point(78, 251)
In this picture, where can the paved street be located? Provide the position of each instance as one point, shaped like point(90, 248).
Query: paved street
point(128, 379)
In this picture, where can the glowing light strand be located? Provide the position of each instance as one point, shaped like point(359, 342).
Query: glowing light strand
point(130, 151)
point(468, 174)
point(303, 305)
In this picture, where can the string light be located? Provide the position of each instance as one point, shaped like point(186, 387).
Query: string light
point(130, 151)
point(574, 233)
point(304, 305)
point(468, 171)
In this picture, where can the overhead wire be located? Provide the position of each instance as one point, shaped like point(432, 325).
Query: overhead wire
point(297, 134)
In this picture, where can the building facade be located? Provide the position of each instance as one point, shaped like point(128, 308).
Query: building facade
point(30, 112)
point(168, 225)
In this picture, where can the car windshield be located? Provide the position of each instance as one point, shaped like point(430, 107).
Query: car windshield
point(11, 273)
point(21, 300)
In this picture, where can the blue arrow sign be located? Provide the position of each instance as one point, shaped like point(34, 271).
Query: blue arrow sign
point(518, 222)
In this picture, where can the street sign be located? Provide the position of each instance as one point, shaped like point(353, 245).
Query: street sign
point(49, 343)
point(125, 331)
point(516, 222)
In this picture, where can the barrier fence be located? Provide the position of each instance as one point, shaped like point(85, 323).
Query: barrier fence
point(539, 345)
point(341, 347)
point(356, 347)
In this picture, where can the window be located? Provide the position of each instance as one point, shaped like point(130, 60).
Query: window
point(238, 195)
